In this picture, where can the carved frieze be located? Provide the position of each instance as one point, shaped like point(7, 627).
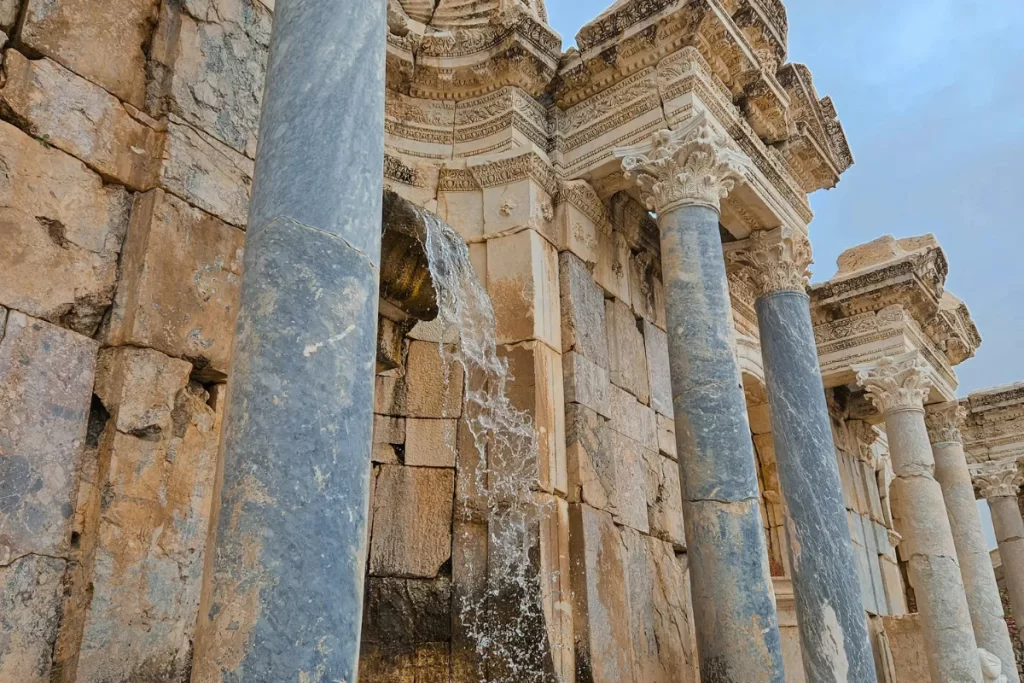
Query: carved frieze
point(514, 168)
point(994, 429)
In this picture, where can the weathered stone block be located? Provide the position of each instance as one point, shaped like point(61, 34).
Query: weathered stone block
point(46, 373)
point(583, 323)
point(160, 450)
point(431, 387)
point(646, 289)
point(8, 14)
point(426, 663)
point(664, 499)
point(181, 274)
point(658, 377)
point(905, 636)
point(387, 429)
point(209, 60)
point(430, 443)
point(626, 354)
point(100, 40)
point(587, 436)
point(586, 383)
point(412, 521)
point(536, 388)
point(62, 230)
point(72, 114)
point(625, 475)
point(469, 600)
point(519, 204)
point(407, 611)
point(206, 173)
point(522, 279)
point(612, 270)
point(667, 436)
point(30, 595)
point(633, 419)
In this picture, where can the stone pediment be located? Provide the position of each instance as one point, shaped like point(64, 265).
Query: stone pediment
point(994, 429)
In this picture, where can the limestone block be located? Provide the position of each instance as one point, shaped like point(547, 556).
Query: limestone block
point(624, 474)
point(656, 344)
point(587, 436)
point(577, 233)
point(62, 231)
point(582, 303)
point(471, 503)
point(536, 388)
point(664, 499)
point(206, 173)
point(432, 387)
point(389, 393)
point(906, 640)
point(8, 14)
point(209, 58)
point(412, 520)
point(600, 597)
point(896, 599)
point(407, 611)
point(81, 118)
point(633, 419)
point(31, 588)
point(427, 663)
point(626, 355)
point(463, 210)
point(46, 376)
point(522, 280)
point(520, 204)
point(612, 269)
point(430, 443)
point(646, 290)
point(101, 40)
point(667, 436)
point(586, 383)
point(389, 430)
point(469, 599)
point(760, 418)
point(179, 290)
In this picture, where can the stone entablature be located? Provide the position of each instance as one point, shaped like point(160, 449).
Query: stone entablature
point(994, 429)
point(887, 299)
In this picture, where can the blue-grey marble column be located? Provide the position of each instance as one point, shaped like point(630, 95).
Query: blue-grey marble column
point(830, 611)
point(683, 175)
point(283, 590)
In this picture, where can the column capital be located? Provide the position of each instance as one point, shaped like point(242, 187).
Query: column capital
point(997, 479)
point(944, 420)
point(895, 382)
point(772, 260)
point(695, 165)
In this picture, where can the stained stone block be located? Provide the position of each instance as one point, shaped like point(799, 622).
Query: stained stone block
point(905, 636)
point(646, 288)
point(31, 589)
point(101, 40)
point(625, 475)
point(430, 443)
point(62, 230)
point(633, 419)
point(81, 118)
point(520, 204)
point(577, 233)
point(210, 59)
point(407, 611)
point(658, 378)
point(389, 395)
point(431, 387)
point(150, 517)
point(412, 518)
point(388, 429)
point(627, 359)
point(586, 383)
point(181, 274)
point(426, 663)
point(536, 388)
point(664, 499)
point(522, 280)
point(583, 322)
point(8, 14)
point(587, 435)
point(667, 436)
point(206, 173)
point(612, 269)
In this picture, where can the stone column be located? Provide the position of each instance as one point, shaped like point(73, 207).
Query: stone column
point(999, 483)
point(898, 388)
point(682, 175)
point(943, 421)
point(830, 611)
point(283, 591)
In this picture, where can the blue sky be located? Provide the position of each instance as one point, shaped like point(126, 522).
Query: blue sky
point(931, 94)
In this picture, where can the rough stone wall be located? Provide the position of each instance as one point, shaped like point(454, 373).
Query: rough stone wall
point(127, 135)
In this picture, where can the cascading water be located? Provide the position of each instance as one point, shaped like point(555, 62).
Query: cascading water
point(506, 622)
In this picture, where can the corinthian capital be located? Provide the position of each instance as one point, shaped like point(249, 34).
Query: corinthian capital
point(944, 421)
point(772, 260)
point(695, 165)
point(895, 383)
point(997, 479)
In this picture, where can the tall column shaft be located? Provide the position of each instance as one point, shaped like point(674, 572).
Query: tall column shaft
point(999, 483)
point(830, 611)
point(986, 608)
point(898, 387)
point(283, 590)
point(734, 607)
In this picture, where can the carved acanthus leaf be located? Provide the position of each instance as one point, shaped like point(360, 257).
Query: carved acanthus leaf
point(944, 421)
point(895, 383)
point(997, 479)
point(695, 165)
point(772, 260)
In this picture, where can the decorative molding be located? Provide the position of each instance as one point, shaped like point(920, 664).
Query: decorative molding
point(512, 169)
point(944, 421)
point(772, 260)
point(997, 479)
point(693, 166)
point(895, 383)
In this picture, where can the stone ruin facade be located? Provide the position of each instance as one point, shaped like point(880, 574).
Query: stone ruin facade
point(733, 476)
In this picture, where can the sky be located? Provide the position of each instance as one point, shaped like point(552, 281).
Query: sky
point(931, 95)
